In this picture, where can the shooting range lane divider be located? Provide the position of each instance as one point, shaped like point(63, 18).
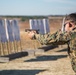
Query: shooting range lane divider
point(10, 43)
point(16, 33)
point(40, 24)
point(10, 37)
point(3, 38)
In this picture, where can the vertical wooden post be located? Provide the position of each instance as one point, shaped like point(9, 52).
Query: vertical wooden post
point(17, 45)
point(3, 49)
point(20, 45)
point(0, 49)
point(14, 46)
point(8, 47)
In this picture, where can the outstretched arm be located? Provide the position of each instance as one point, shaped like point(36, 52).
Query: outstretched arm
point(55, 38)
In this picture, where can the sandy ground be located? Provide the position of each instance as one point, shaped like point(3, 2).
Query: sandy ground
point(52, 62)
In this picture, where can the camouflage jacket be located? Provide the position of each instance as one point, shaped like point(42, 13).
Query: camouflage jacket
point(60, 38)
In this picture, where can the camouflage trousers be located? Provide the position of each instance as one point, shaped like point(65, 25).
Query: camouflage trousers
point(73, 63)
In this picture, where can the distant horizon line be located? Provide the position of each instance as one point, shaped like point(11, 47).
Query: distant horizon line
point(35, 15)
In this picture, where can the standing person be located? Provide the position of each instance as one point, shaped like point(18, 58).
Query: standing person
point(67, 37)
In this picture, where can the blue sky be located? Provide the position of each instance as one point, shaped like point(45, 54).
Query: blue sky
point(37, 7)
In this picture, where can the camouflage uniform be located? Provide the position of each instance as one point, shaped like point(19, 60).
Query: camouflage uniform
point(59, 38)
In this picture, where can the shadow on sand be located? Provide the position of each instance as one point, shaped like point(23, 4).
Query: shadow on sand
point(20, 72)
point(62, 50)
point(46, 58)
point(48, 47)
